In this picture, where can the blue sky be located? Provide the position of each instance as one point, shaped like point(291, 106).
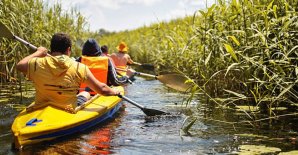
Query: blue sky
point(117, 15)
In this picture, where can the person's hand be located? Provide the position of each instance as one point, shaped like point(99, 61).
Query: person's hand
point(136, 63)
point(116, 91)
point(41, 52)
point(23, 64)
point(130, 72)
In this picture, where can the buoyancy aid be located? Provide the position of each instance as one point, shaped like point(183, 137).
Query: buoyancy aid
point(121, 71)
point(56, 80)
point(99, 68)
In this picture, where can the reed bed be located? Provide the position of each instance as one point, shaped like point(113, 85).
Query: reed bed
point(34, 21)
point(237, 52)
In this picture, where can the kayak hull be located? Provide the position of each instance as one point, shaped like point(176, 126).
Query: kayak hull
point(49, 123)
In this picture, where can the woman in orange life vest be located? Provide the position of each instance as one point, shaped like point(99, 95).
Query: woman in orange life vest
point(101, 66)
point(57, 77)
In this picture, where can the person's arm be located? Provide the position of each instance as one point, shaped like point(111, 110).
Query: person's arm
point(113, 79)
point(136, 63)
point(131, 62)
point(99, 87)
point(23, 64)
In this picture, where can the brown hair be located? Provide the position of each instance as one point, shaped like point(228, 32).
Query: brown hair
point(60, 42)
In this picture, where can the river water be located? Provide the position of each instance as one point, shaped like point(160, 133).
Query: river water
point(132, 132)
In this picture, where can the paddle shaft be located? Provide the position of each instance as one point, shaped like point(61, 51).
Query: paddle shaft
point(120, 96)
point(139, 73)
point(25, 42)
point(173, 80)
point(145, 74)
point(148, 112)
point(131, 101)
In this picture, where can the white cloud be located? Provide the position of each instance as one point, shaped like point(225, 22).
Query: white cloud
point(144, 2)
point(195, 3)
point(130, 14)
point(110, 4)
point(92, 10)
point(177, 13)
point(186, 7)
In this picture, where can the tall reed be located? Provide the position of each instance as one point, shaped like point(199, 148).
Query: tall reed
point(237, 52)
point(34, 21)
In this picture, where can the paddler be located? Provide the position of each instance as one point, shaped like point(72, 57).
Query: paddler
point(57, 77)
point(105, 50)
point(121, 58)
point(101, 66)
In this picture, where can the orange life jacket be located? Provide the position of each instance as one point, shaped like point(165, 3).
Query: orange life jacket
point(122, 72)
point(98, 67)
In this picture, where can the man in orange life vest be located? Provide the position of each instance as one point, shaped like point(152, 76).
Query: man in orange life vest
point(57, 77)
point(101, 66)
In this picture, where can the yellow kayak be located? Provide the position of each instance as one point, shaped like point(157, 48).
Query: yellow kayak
point(50, 122)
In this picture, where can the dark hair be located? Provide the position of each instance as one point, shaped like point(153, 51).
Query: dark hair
point(60, 42)
point(104, 49)
point(91, 48)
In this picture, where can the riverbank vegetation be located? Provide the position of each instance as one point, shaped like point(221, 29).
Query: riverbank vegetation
point(35, 22)
point(237, 53)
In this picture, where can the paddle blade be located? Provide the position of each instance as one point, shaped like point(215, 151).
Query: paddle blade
point(175, 81)
point(153, 112)
point(5, 33)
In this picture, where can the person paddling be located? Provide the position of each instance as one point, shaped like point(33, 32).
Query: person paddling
point(57, 77)
point(122, 59)
point(101, 66)
point(105, 50)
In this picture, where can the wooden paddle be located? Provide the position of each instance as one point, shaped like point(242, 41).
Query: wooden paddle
point(174, 80)
point(5, 33)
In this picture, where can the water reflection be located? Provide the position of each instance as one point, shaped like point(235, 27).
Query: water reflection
point(131, 132)
point(98, 142)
